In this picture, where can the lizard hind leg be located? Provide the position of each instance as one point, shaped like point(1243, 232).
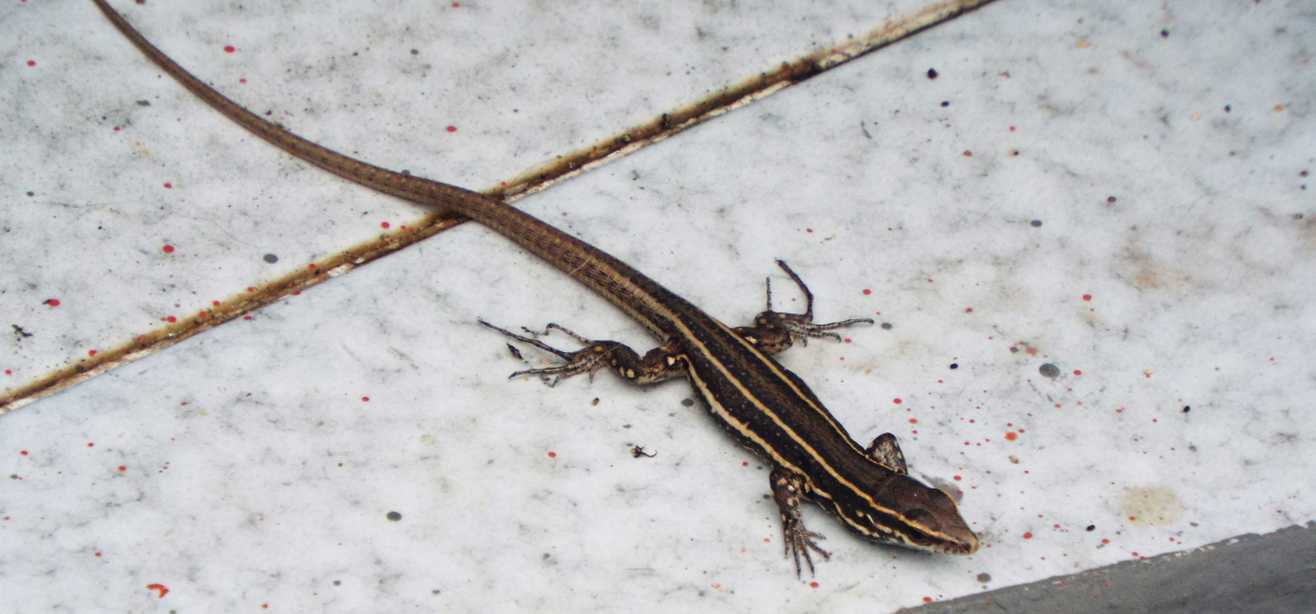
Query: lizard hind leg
point(775, 331)
point(655, 366)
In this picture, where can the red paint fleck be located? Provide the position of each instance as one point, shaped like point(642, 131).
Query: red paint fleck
point(744, 463)
point(170, 319)
point(552, 454)
point(913, 420)
point(456, 5)
point(296, 292)
point(52, 302)
point(808, 230)
point(897, 401)
point(968, 310)
point(927, 599)
point(91, 352)
point(956, 477)
point(215, 303)
point(91, 444)
point(1012, 128)
point(168, 249)
point(168, 185)
point(123, 468)
point(22, 452)
point(1133, 519)
point(242, 80)
point(868, 292)
point(201, 315)
point(230, 49)
point(265, 606)
point(1028, 534)
point(813, 584)
point(1087, 298)
point(118, 128)
point(31, 62)
point(159, 588)
point(848, 340)
point(311, 266)
point(1078, 372)
point(247, 317)
point(99, 554)
point(384, 225)
point(1011, 436)
point(9, 371)
point(251, 289)
point(451, 128)
point(365, 399)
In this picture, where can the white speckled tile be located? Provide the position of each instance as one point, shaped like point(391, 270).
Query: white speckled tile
point(1122, 194)
point(127, 203)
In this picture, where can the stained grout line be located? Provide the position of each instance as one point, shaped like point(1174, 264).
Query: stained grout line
point(540, 178)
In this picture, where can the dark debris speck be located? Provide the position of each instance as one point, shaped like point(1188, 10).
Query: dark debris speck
point(887, 326)
point(954, 365)
point(945, 103)
point(1035, 223)
point(1049, 370)
point(270, 258)
point(984, 577)
point(394, 516)
point(932, 73)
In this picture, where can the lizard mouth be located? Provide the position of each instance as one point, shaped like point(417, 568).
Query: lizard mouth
point(946, 540)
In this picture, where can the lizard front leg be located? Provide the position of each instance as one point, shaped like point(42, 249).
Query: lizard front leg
point(788, 490)
point(657, 365)
point(776, 331)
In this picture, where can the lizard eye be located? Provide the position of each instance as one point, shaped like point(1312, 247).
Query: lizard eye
point(923, 517)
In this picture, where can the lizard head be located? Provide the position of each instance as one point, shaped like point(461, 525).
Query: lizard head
point(921, 517)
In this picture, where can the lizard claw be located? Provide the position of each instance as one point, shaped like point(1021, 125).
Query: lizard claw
point(800, 541)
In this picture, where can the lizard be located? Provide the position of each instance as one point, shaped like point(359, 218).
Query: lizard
point(764, 406)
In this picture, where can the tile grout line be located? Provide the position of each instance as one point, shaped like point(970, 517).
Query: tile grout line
point(535, 180)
